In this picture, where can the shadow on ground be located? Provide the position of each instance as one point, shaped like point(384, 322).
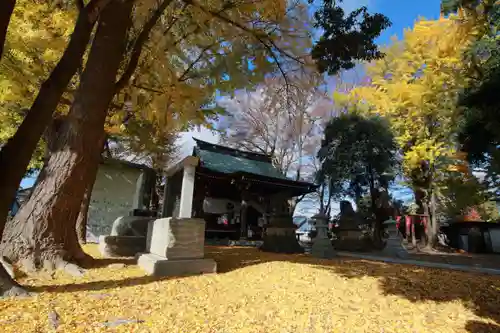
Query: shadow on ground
point(98, 285)
point(104, 262)
point(103, 284)
point(416, 284)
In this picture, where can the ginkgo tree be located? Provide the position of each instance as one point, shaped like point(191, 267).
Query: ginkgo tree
point(416, 86)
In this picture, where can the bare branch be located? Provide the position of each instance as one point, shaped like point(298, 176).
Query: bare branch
point(183, 76)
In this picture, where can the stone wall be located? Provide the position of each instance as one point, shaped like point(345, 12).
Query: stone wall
point(112, 196)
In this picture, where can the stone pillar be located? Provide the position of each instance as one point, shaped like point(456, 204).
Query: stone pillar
point(243, 220)
point(166, 197)
point(322, 245)
point(393, 245)
point(176, 247)
point(187, 191)
point(280, 235)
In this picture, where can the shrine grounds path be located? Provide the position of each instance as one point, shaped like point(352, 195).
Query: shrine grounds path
point(262, 293)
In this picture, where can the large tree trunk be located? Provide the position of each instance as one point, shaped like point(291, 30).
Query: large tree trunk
point(43, 233)
point(16, 153)
point(6, 9)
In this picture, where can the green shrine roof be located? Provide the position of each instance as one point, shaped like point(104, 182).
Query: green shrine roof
point(250, 166)
point(229, 161)
point(232, 164)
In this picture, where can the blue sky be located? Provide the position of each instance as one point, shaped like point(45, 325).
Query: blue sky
point(402, 13)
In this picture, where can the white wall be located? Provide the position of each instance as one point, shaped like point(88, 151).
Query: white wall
point(112, 196)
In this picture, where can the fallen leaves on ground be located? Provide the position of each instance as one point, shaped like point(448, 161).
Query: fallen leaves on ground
point(260, 292)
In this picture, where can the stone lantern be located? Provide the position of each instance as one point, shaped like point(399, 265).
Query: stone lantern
point(322, 245)
point(393, 243)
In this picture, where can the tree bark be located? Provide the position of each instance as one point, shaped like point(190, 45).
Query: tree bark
point(81, 221)
point(6, 9)
point(43, 233)
point(16, 153)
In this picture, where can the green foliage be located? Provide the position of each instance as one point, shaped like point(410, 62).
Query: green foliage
point(346, 38)
point(480, 108)
point(357, 153)
point(459, 194)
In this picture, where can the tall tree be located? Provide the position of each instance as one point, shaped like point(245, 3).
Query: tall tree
point(416, 87)
point(358, 157)
point(16, 153)
point(6, 9)
point(43, 231)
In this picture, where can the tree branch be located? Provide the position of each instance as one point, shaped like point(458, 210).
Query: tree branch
point(139, 43)
point(148, 89)
point(80, 5)
point(267, 43)
point(184, 77)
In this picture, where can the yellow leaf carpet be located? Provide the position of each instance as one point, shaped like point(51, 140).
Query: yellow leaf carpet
point(260, 293)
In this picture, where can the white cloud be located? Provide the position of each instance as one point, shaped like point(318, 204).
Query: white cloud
point(185, 143)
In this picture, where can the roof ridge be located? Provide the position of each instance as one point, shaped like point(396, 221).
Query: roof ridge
point(205, 144)
point(231, 148)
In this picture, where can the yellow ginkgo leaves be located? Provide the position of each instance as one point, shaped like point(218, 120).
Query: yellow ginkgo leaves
point(416, 86)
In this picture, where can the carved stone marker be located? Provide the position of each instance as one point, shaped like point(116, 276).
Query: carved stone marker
point(322, 245)
point(280, 235)
point(393, 244)
point(176, 247)
point(350, 237)
point(128, 237)
point(121, 246)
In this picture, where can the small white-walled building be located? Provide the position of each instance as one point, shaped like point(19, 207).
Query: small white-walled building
point(118, 190)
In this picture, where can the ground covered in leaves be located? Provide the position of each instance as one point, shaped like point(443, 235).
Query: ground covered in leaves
point(260, 292)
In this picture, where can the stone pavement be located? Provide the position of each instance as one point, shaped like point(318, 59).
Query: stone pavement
point(422, 263)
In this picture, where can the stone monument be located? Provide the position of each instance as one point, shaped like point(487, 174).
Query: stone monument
point(280, 236)
point(322, 245)
point(350, 235)
point(128, 237)
point(176, 247)
point(393, 244)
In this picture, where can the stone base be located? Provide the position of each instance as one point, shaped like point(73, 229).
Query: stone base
point(228, 242)
point(160, 266)
point(394, 248)
point(323, 249)
point(281, 240)
point(356, 245)
point(121, 246)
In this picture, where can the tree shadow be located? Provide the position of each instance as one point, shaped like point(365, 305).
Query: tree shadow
point(417, 284)
point(104, 262)
point(100, 285)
